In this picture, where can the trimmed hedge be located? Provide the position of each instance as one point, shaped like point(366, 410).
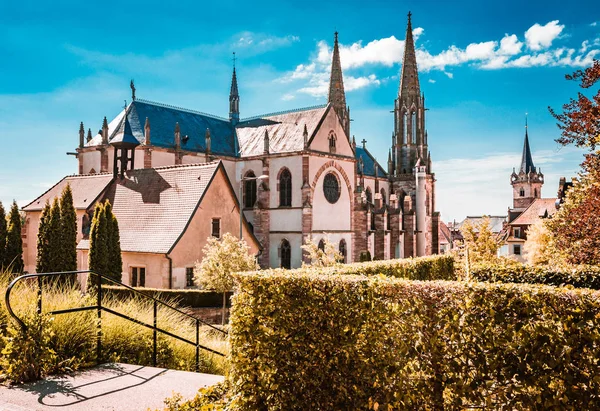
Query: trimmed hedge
point(185, 298)
point(324, 342)
point(577, 276)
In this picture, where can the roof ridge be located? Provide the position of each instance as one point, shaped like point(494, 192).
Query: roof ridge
point(182, 109)
point(176, 166)
point(278, 113)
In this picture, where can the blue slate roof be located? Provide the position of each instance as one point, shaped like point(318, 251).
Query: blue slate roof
point(162, 120)
point(369, 162)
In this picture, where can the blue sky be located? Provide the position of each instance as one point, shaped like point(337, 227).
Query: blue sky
point(482, 66)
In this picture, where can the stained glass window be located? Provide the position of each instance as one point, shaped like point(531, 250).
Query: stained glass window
point(331, 188)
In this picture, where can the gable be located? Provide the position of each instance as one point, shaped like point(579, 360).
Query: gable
point(331, 125)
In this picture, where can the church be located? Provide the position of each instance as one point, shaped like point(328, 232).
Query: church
point(292, 175)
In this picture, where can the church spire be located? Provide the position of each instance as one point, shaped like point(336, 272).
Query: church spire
point(234, 97)
point(337, 96)
point(409, 78)
point(526, 158)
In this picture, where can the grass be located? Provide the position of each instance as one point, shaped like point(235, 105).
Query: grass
point(71, 338)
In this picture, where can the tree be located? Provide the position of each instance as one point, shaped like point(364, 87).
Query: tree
point(54, 235)
point(13, 257)
point(326, 257)
point(221, 259)
point(115, 261)
point(98, 253)
point(576, 226)
point(539, 248)
point(580, 120)
point(3, 234)
point(482, 244)
point(68, 228)
point(42, 263)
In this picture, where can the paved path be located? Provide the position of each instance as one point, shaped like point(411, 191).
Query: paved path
point(106, 387)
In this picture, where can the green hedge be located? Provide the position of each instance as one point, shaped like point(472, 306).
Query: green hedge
point(185, 298)
point(578, 276)
point(350, 342)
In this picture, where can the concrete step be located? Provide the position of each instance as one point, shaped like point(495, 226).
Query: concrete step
point(105, 387)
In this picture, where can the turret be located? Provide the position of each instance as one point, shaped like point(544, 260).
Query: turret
point(124, 144)
point(104, 131)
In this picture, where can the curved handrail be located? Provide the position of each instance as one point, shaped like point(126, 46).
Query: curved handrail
point(100, 308)
point(54, 274)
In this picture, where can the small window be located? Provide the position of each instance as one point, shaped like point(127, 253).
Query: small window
point(517, 232)
point(332, 142)
point(285, 188)
point(216, 227)
point(517, 249)
point(343, 250)
point(522, 192)
point(286, 254)
point(373, 221)
point(138, 276)
point(535, 192)
point(249, 190)
point(189, 276)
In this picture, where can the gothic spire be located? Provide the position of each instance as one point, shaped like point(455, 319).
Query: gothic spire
point(409, 78)
point(337, 97)
point(526, 158)
point(234, 97)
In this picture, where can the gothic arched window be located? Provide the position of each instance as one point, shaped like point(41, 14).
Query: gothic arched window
point(535, 192)
point(404, 128)
point(332, 142)
point(322, 245)
point(369, 195)
point(249, 190)
point(343, 250)
point(285, 188)
point(414, 127)
point(286, 254)
point(522, 192)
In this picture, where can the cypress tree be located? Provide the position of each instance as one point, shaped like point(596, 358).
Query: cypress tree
point(2, 234)
point(68, 240)
point(42, 262)
point(115, 261)
point(13, 257)
point(98, 253)
point(54, 238)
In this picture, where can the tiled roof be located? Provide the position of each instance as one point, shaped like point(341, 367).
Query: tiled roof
point(496, 222)
point(154, 205)
point(368, 162)
point(286, 131)
point(85, 188)
point(445, 235)
point(540, 208)
point(162, 120)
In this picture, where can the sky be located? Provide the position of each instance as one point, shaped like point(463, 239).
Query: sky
point(482, 65)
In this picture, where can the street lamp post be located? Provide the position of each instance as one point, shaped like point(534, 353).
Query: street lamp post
point(242, 180)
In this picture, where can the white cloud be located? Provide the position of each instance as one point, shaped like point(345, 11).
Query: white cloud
point(417, 32)
point(593, 24)
point(510, 45)
point(288, 97)
point(450, 75)
point(263, 41)
point(584, 46)
point(432, 81)
point(539, 37)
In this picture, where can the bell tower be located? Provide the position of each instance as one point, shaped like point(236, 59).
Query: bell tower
point(527, 183)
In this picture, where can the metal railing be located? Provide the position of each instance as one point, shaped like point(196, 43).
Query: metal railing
point(99, 308)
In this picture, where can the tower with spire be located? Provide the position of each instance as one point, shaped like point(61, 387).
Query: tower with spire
point(527, 181)
point(337, 96)
point(409, 140)
point(234, 98)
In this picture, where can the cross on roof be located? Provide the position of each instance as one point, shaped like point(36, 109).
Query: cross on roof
point(364, 142)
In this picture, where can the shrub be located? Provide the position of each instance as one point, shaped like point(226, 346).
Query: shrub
point(421, 268)
point(349, 342)
point(513, 272)
point(213, 398)
point(184, 298)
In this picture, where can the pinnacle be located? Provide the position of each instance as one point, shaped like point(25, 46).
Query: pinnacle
point(409, 78)
point(337, 97)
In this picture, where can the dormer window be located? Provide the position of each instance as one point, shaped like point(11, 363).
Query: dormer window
point(332, 139)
